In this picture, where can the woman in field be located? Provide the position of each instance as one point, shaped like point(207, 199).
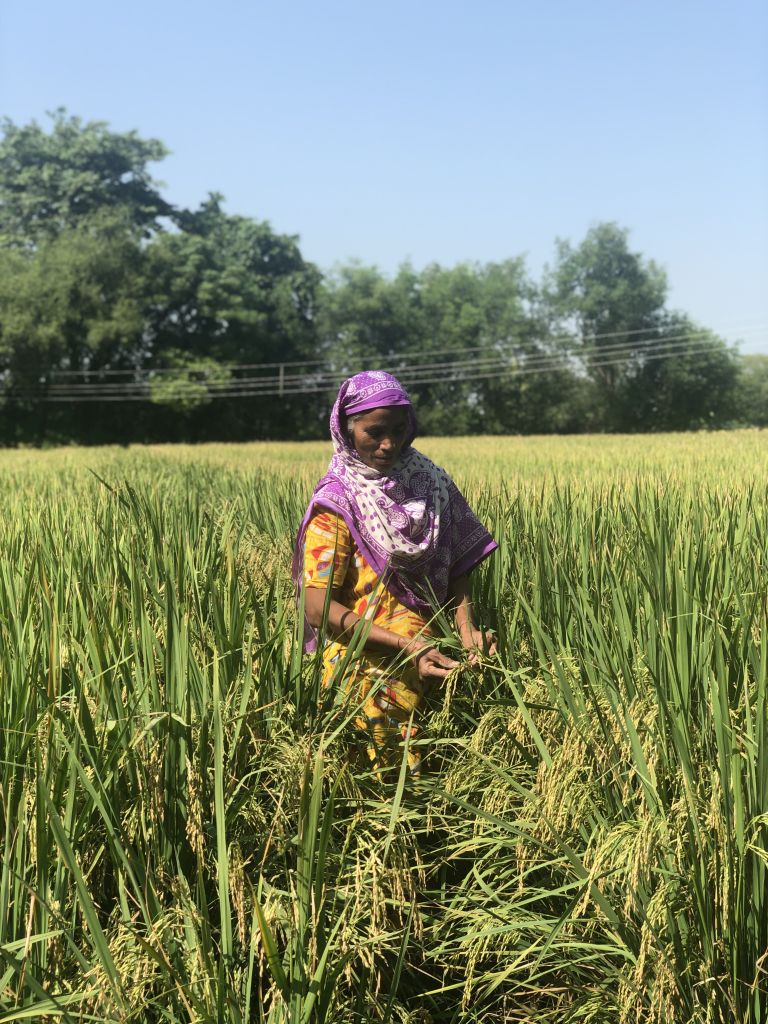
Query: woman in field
point(390, 534)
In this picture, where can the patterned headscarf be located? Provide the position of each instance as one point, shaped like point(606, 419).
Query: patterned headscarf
point(411, 523)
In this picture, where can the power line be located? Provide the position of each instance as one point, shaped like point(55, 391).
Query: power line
point(573, 337)
point(310, 383)
point(488, 371)
point(413, 373)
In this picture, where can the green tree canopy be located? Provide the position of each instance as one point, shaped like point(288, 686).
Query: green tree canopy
point(230, 288)
point(102, 274)
point(227, 291)
point(684, 379)
point(51, 181)
point(474, 317)
point(74, 303)
point(752, 391)
point(651, 369)
point(105, 285)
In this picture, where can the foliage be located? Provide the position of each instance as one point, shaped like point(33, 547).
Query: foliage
point(186, 832)
point(477, 317)
point(697, 365)
point(471, 313)
point(185, 382)
point(105, 284)
point(73, 303)
point(228, 288)
point(752, 390)
point(607, 291)
point(654, 369)
point(104, 279)
point(52, 181)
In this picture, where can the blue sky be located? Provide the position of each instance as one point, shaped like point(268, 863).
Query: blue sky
point(440, 131)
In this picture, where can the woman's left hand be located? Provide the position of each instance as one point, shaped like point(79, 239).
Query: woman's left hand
point(478, 643)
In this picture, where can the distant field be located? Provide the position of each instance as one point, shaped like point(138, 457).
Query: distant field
point(718, 456)
point(184, 835)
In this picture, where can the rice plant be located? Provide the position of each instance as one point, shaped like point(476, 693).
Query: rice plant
point(187, 833)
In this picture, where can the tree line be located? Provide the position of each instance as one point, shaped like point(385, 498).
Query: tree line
point(124, 318)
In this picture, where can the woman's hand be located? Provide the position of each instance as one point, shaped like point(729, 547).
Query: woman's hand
point(430, 663)
point(473, 639)
point(478, 642)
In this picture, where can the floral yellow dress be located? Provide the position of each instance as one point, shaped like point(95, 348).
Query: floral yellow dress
point(390, 702)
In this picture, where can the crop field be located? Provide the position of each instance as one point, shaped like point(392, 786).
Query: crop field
point(188, 832)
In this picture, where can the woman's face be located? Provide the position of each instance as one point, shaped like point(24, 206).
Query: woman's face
point(378, 436)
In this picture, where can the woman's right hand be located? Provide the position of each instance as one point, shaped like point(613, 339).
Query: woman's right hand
point(430, 663)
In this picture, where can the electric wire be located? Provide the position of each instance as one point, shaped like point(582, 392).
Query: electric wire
point(574, 338)
point(324, 386)
point(410, 373)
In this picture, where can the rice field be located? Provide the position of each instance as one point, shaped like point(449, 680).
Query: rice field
point(187, 832)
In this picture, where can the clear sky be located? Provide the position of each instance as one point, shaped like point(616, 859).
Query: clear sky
point(440, 131)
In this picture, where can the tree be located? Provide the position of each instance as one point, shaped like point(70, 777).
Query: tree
point(365, 319)
point(230, 291)
point(652, 369)
point(101, 273)
point(77, 204)
point(477, 316)
point(230, 288)
point(752, 391)
point(605, 298)
point(451, 332)
point(684, 383)
point(74, 303)
point(102, 281)
point(51, 181)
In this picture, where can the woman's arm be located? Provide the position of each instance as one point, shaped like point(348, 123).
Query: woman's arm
point(472, 638)
point(341, 622)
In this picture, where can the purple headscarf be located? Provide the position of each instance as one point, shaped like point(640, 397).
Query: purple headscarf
point(411, 524)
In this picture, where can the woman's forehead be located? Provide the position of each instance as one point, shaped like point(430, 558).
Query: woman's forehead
point(390, 414)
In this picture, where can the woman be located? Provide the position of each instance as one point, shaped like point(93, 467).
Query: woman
point(391, 535)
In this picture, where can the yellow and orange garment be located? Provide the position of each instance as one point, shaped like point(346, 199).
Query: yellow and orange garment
point(391, 703)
